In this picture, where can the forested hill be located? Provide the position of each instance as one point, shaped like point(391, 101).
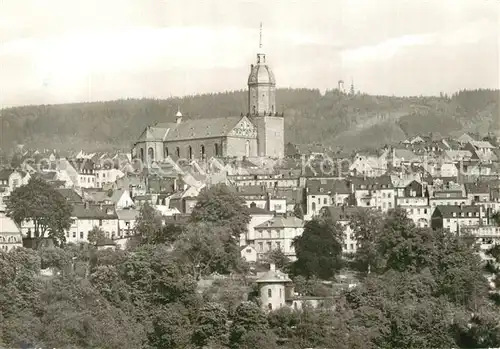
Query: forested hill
point(333, 119)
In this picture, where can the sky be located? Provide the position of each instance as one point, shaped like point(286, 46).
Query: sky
point(59, 51)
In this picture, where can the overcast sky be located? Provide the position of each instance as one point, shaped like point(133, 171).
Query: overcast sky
point(55, 51)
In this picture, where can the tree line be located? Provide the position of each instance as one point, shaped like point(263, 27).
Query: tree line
point(310, 117)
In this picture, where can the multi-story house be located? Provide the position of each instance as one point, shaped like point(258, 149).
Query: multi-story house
point(414, 199)
point(105, 175)
point(278, 233)
point(454, 218)
point(477, 192)
point(448, 197)
point(326, 192)
point(374, 192)
point(86, 216)
point(86, 173)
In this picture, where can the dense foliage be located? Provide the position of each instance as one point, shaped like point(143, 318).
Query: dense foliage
point(334, 118)
point(417, 288)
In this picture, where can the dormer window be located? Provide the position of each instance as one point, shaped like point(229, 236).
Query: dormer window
point(454, 214)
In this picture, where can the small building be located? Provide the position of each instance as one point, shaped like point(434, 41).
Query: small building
point(273, 286)
point(248, 253)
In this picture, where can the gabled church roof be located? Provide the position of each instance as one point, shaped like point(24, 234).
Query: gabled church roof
point(191, 129)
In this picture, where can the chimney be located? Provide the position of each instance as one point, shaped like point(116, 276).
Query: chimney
point(272, 267)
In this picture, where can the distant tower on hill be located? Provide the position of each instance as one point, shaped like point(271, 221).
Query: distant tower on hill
point(341, 85)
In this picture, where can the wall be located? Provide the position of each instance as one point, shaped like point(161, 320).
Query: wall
point(271, 133)
point(255, 219)
point(236, 146)
point(277, 299)
point(208, 143)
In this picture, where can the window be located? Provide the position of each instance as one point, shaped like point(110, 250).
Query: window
point(270, 306)
point(190, 153)
point(216, 149)
point(269, 246)
point(74, 234)
point(313, 206)
point(81, 235)
point(269, 293)
point(280, 293)
point(202, 150)
point(319, 201)
point(325, 201)
point(261, 246)
point(278, 245)
point(165, 153)
point(248, 250)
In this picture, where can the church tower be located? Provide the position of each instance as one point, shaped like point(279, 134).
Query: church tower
point(262, 107)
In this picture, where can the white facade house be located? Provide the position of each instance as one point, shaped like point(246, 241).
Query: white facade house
point(278, 234)
point(10, 234)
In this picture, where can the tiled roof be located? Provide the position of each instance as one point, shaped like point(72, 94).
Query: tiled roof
point(127, 215)
point(89, 211)
point(477, 188)
point(70, 194)
point(259, 211)
point(340, 213)
point(190, 129)
point(447, 211)
point(273, 276)
point(282, 222)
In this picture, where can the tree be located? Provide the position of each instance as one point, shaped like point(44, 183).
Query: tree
point(171, 327)
point(219, 205)
point(318, 249)
point(211, 325)
point(248, 319)
point(41, 204)
point(149, 224)
point(366, 227)
point(95, 234)
point(278, 258)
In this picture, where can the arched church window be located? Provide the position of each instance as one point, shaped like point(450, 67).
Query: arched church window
point(190, 153)
point(142, 154)
point(254, 109)
point(216, 149)
point(202, 151)
point(165, 153)
point(178, 152)
point(151, 154)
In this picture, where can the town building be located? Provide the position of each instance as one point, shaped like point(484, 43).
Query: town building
point(10, 234)
point(278, 233)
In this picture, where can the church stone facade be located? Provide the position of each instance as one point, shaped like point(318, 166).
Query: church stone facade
point(259, 133)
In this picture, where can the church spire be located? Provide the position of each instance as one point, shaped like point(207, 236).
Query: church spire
point(260, 37)
point(261, 57)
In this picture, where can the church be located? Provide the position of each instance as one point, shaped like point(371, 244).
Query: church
point(258, 133)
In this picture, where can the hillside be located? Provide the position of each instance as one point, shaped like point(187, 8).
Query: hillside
point(333, 119)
